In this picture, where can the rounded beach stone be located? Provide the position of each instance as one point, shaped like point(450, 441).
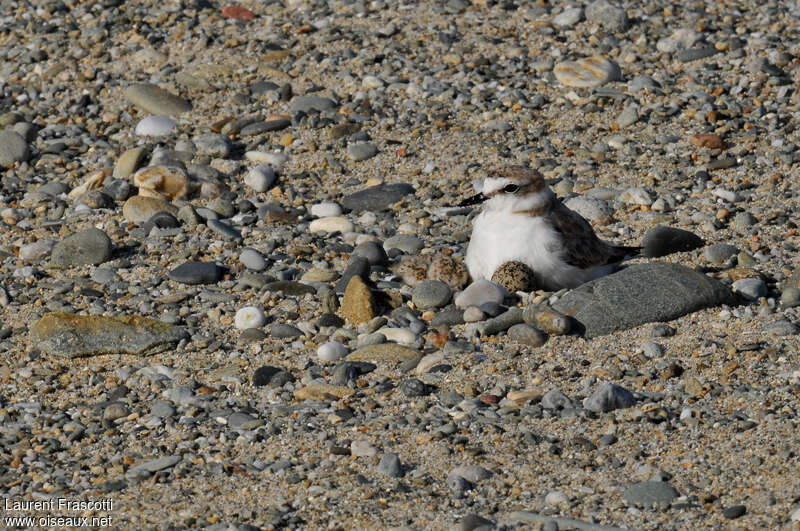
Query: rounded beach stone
point(590, 72)
point(261, 178)
point(526, 334)
point(252, 259)
point(661, 241)
point(751, 289)
point(139, 209)
point(362, 151)
point(129, 162)
point(326, 209)
point(13, 148)
point(197, 273)
point(431, 294)
point(332, 224)
point(480, 292)
point(91, 246)
point(155, 126)
point(331, 351)
point(153, 99)
point(719, 253)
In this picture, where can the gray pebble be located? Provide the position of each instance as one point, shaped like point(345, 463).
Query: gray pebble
point(408, 243)
point(362, 151)
point(13, 148)
point(751, 289)
point(390, 466)
point(224, 230)
point(719, 253)
point(555, 399)
point(526, 334)
point(430, 294)
point(284, 331)
point(608, 397)
point(649, 493)
point(91, 246)
point(252, 259)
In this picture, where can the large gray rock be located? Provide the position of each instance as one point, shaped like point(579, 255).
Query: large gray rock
point(88, 247)
point(13, 147)
point(641, 293)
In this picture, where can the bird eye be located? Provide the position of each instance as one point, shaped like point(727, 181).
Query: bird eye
point(511, 188)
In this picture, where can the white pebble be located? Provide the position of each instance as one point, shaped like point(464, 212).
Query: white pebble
point(155, 126)
point(555, 497)
point(404, 336)
point(261, 178)
point(331, 224)
point(331, 351)
point(276, 160)
point(480, 292)
point(368, 219)
point(249, 317)
point(363, 449)
point(473, 314)
point(326, 209)
point(371, 82)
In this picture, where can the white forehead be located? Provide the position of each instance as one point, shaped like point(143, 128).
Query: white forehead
point(493, 184)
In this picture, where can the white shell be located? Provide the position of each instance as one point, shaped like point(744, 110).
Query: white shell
point(331, 351)
point(249, 317)
point(155, 126)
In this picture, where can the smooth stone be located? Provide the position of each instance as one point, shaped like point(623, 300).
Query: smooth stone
point(162, 409)
point(734, 511)
point(743, 220)
point(662, 240)
point(498, 324)
point(155, 100)
point(480, 292)
point(363, 449)
point(430, 294)
point(309, 103)
point(681, 39)
point(384, 352)
point(258, 128)
point(326, 209)
point(408, 243)
point(267, 373)
point(154, 465)
point(284, 331)
point(115, 411)
point(331, 351)
point(252, 259)
point(628, 116)
point(13, 148)
point(249, 317)
point(138, 209)
point(693, 54)
point(362, 151)
point(332, 224)
point(611, 17)
point(608, 397)
point(274, 159)
point(568, 18)
point(649, 493)
point(782, 328)
point(555, 498)
point(155, 126)
point(449, 317)
point(197, 273)
point(358, 266)
point(243, 421)
point(414, 387)
point(473, 314)
point(403, 336)
point(790, 297)
point(636, 196)
point(639, 294)
point(590, 208)
point(472, 473)
point(319, 275)
point(390, 465)
point(213, 145)
point(555, 399)
point(475, 522)
point(161, 220)
point(590, 72)
point(261, 178)
point(34, 251)
point(88, 247)
point(377, 198)
point(751, 289)
point(719, 253)
point(323, 392)
point(358, 304)
point(526, 334)
point(73, 336)
point(223, 229)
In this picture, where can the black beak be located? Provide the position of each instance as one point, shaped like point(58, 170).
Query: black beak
point(474, 200)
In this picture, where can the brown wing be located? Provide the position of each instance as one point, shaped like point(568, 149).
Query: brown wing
point(582, 247)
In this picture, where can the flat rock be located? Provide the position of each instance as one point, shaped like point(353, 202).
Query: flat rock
point(384, 352)
point(155, 126)
point(154, 465)
point(74, 336)
point(155, 100)
point(308, 103)
point(13, 147)
point(641, 293)
point(197, 273)
point(323, 392)
point(362, 151)
point(590, 72)
point(129, 162)
point(377, 198)
point(88, 247)
point(661, 241)
point(649, 493)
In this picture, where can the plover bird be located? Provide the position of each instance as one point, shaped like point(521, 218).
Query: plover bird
point(523, 221)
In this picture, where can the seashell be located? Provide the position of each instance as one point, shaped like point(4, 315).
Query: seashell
point(162, 182)
point(93, 182)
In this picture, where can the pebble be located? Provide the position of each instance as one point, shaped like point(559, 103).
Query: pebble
point(734, 511)
point(608, 397)
point(662, 241)
point(590, 72)
point(361, 448)
point(592, 209)
point(719, 253)
point(372, 251)
point(390, 465)
point(526, 334)
point(568, 18)
point(13, 148)
point(249, 317)
point(261, 178)
point(130, 161)
point(32, 252)
point(431, 294)
point(197, 273)
point(88, 247)
point(224, 230)
point(751, 289)
point(555, 399)
point(384, 352)
point(650, 493)
point(376, 198)
point(326, 209)
point(556, 498)
point(408, 243)
point(358, 305)
point(472, 473)
point(338, 224)
point(331, 351)
point(609, 16)
point(284, 331)
point(311, 103)
point(138, 209)
point(362, 151)
point(155, 126)
point(252, 259)
point(480, 292)
point(155, 100)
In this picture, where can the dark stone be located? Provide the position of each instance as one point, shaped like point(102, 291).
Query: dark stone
point(373, 252)
point(162, 220)
point(641, 293)
point(390, 465)
point(734, 511)
point(448, 317)
point(608, 397)
point(251, 335)
point(377, 198)
point(472, 522)
point(330, 319)
point(285, 331)
point(347, 371)
point(358, 266)
point(693, 54)
point(414, 387)
point(197, 273)
point(290, 288)
point(661, 241)
point(265, 374)
point(88, 247)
